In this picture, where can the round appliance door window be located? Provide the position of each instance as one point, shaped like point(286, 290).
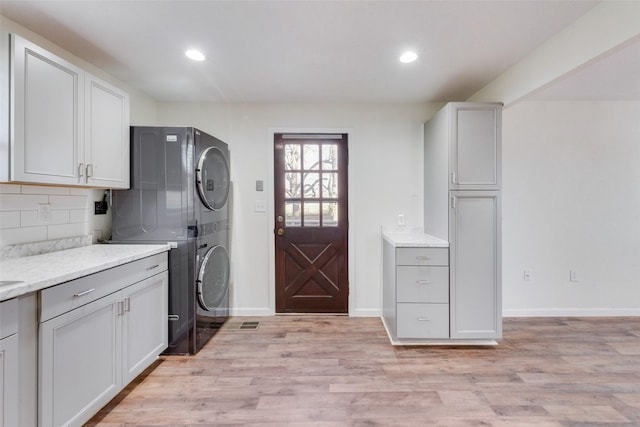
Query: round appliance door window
point(212, 178)
point(213, 278)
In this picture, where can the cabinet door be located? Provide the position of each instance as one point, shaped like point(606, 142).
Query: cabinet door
point(475, 146)
point(47, 115)
point(144, 324)
point(106, 134)
point(475, 256)
point(9, 381)
point(79, 360)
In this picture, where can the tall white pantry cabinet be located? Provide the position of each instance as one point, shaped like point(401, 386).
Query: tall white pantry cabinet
point(462, 183)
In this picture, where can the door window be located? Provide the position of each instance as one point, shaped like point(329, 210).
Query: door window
point(311, 184)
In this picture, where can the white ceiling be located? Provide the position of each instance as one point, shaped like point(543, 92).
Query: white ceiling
point(315, 51)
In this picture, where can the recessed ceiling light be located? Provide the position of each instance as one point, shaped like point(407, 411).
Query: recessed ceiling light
point(408, 56)
point(194, 54)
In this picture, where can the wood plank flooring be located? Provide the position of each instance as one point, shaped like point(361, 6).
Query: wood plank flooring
point(329, 371)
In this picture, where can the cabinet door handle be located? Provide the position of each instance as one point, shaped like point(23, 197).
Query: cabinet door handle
point(423, 319)
point(454, 178)
point(89, 171)
point(83, 293)
point(153, 266)
point(174, 317)
point(127, 304)
point(119, 310)
point(80, 172)
point(423, 282)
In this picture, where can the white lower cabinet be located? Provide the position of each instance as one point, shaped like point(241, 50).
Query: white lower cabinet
point(416, 292)
point(9, 363)
point(89, 354)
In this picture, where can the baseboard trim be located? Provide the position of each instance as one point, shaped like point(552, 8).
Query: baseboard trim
point(572, 312)
point(366, 312)
point(251, 312)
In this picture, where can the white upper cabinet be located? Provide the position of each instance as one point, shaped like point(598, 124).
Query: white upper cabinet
point(475, 146)
point(106, 134)
point(66, 126)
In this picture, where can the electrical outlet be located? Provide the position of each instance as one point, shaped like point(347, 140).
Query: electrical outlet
point(260, 206)
point(527, 276)
point(573, 276)
point(401, 220)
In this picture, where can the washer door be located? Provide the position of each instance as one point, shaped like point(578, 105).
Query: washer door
point(212, 178)
point(213, 278)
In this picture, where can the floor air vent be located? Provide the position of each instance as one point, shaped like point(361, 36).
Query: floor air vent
point(242, 326)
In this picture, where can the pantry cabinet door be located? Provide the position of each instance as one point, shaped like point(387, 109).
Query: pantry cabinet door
point(47, 116)
point(475, 270)
point(106, 134)
point(475, 150)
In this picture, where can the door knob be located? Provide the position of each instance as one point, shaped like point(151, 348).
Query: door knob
point(280, 231)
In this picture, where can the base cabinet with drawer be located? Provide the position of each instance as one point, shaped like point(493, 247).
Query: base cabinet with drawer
point(416, 292)
point(96, 334)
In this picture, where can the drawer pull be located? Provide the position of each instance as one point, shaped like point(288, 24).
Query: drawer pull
point(83, 293)
point(423, 282)
point(422, 257)
point(423, 319)
point(153, 266)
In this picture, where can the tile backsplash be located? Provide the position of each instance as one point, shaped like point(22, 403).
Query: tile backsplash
point(32, 213)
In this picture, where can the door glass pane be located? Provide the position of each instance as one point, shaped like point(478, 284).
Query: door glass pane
point(292, 157)
point(330, 185)
point(311, 156)
point(311, 214)
point(330, 157)
point(292, 217)
point(311, 186)
point(292, 183)
point(330, 214)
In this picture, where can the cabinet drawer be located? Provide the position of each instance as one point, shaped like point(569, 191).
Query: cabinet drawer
point(423, 320)
point(422, 256)
point(422, 284)
point(62, 298)
point(8, 317)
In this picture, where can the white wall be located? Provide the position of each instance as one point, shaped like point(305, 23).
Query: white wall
point(385, 149)
point(571, 200)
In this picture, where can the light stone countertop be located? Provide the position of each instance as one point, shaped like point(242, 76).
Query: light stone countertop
point(41, 271)
point(412, 237)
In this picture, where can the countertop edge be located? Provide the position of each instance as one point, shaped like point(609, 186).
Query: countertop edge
point(27, 286)
point(414, 240)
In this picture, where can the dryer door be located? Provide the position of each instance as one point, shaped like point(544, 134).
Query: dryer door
point(213, 279)
point(212, 178)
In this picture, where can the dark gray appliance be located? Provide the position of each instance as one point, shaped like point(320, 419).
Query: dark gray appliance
point(179, 194)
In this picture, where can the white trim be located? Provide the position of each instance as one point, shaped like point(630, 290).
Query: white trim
point(571, 312)
point(366, 312)
point(351, 201)
point(251, 312)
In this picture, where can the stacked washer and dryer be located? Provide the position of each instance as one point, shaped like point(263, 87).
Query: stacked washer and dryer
point(180, 195)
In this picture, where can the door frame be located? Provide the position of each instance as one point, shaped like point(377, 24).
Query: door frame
point(270, 194)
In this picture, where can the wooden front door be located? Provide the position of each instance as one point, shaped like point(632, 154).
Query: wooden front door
point(311, 226)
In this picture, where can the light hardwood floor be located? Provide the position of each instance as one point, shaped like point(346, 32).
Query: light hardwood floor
point(328, 371)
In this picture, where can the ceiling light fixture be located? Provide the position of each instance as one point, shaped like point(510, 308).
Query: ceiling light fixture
point(194, 54)
point(408, 56)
